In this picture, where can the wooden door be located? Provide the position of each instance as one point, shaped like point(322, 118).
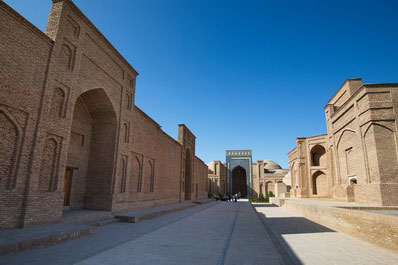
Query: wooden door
point(67, 186)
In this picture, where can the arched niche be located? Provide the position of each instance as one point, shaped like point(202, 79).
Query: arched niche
point(319, 184)
point(318, 156)
point(188, 174)
point(93, 160)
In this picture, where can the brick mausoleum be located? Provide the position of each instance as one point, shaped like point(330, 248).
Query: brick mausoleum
point(357, 159)
point(71, 135)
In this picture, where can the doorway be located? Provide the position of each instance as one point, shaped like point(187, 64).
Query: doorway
point(239, 181)
point(67, 187)
point(92, 148)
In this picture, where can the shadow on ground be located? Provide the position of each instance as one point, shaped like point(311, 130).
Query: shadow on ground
point(279, 226)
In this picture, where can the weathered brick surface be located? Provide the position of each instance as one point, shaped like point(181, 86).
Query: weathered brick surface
point(67, 102)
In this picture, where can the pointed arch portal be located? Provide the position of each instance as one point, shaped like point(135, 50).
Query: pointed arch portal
point(239, 181)
point(91, 154)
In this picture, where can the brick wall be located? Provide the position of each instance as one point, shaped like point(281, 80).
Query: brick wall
point(67, 102)
point(24, 53)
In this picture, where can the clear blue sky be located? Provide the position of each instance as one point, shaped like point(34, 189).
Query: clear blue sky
point(243, 74)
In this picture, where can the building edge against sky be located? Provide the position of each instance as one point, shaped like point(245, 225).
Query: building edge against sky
point(73, 136)
point(239, 172)
point(356, 161)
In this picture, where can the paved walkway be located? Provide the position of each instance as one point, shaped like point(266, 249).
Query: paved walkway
point(214, 233)
point(307, 242)
point(227, 233)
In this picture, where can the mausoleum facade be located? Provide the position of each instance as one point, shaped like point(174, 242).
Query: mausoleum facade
point(357, 159)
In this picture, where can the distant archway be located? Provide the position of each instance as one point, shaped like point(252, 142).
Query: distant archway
point(269, 186)
point(188, 174)
point(239, 179)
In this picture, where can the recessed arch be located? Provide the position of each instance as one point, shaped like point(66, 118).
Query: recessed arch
point(58, 102)
point(48, 166)
point(239, 181)
point(318, 156)
point(10, 145)
point(151, 177)
point(135, 175)
point(269, 186)
point(342, 134)
point(123, 172)
point(348, 155)
point(128, 101)
point(381, 152)
point(188, 174)
point(319, 183)
point(66, 57)
point(93, 163)
point(376, 124)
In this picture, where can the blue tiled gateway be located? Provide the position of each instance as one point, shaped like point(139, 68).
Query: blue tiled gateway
point(239, 172)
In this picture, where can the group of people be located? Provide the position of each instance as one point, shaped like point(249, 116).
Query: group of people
point(234, 197)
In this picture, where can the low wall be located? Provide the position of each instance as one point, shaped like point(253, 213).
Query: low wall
point(277, 201)
point(376, 228)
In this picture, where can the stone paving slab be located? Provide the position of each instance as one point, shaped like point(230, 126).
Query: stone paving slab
point(15, 240)
point(312, 243)
point(139, 215)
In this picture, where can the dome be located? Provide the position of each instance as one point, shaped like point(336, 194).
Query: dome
point(271, 165)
